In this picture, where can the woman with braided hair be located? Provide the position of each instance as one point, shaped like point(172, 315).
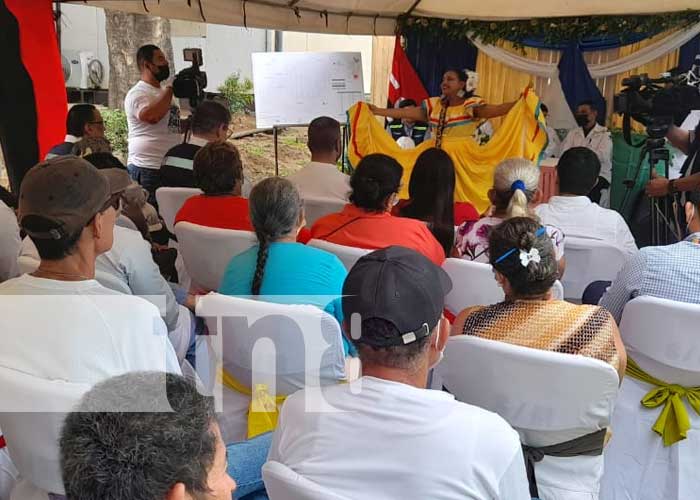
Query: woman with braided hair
point(278, 266)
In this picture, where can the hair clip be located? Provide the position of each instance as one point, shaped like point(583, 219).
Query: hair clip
point(510, 252)
point(518, 185)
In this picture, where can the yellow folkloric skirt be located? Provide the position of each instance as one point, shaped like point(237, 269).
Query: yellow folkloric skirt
point(521, 135)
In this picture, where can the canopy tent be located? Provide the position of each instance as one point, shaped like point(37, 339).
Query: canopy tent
point(372, 17)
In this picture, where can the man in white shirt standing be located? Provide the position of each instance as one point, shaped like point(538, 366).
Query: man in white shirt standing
point(321, 178)
point(154, 123)
point(572, 210)
point(385, 436)
point(590, 134)
point(553, 142)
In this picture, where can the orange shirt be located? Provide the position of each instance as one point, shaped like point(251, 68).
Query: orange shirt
point(355, 227)
point(223, 212)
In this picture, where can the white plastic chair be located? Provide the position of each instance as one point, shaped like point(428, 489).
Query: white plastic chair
point(282, 483)
point(589, 260)
point(315, 208)
point(33, 410)
point(662, 337)
point(170, 201)
point(548, 397)
point(474, 284)
point(347, 255)
point(286, 347)
point(207, 251)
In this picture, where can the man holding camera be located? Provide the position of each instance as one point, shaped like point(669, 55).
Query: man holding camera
point(154, 122)
point(688, 142)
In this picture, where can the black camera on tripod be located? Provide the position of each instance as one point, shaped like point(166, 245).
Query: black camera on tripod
point(191, 82)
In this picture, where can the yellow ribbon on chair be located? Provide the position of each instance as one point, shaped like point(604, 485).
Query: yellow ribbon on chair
point(263, 410)
point(673, 423)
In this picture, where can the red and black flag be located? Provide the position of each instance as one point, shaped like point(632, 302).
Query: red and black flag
point(33, 102)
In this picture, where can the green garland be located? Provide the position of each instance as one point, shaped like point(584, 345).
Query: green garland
point(554, 30)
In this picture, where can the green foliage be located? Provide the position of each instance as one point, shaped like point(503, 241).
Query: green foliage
point(116, 130)
point(552, 30)
point(238, 92)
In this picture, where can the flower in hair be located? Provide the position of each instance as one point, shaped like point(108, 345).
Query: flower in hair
point(533, 255)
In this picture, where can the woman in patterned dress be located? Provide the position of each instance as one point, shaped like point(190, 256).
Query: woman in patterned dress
point(522, 257)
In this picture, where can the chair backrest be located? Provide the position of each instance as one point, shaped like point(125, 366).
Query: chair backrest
point(540, 393)
point(473, 284)
point(207, 251)
point(284, 346)
point(347, 255)
point(170, 201)
point(33, 410)
point(662, 337)
point(282, 483)
point(315, 208)
point(589, 260)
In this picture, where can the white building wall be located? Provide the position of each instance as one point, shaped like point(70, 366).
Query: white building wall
point(83, 28)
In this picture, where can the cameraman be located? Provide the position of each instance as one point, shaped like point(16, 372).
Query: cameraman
point(687, 141)
point(154, 122)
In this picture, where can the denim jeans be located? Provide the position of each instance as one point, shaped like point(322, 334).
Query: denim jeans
point(149, 178)
point(245, 461)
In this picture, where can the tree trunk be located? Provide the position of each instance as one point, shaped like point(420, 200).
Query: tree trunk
point(125, 34)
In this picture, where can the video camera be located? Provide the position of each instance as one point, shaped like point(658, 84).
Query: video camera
point(191, 82)
point(656, 102)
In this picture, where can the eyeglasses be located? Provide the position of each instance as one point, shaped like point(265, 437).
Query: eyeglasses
point(101, 122)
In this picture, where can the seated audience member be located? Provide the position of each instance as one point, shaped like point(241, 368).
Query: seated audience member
point(321, 178)
point(406, 441)
point(668, 272)
point(515, 191)
point(10, 240)
point(89, 145)
point(86, 332)
point(416, 131)
point(366, 222)
point(522, 257)
point(209, 123)
point(431, 197)
point(218, 172)
point(574, 213)
point(149, 435)
point(278, 265)
point(83, 120)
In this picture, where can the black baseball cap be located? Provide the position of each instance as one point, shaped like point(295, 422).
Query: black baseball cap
point(400, 286)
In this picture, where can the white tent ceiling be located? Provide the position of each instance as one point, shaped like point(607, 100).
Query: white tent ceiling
point(378, 17)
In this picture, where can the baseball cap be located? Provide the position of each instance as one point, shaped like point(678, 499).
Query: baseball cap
point(66, 191)
point(400, 286)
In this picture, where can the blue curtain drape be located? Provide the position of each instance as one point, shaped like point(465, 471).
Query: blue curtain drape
point(687, 53)
point(431, 56)
point(576, 81)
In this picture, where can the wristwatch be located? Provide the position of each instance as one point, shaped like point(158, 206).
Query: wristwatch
point(672, 187)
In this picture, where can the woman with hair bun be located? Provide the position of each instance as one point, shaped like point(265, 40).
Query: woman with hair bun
point(366, 222)
point(515, 190)
point(522, 257)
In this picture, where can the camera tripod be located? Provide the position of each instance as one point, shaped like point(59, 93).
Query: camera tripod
point(663, 225)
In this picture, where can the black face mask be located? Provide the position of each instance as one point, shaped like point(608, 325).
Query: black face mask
point(163, 72)
point(581, 119)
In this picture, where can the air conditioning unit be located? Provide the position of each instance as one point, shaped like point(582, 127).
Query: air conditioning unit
point(81, 70)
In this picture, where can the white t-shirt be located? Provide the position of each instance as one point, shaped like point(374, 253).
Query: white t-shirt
point(148, 142)
point(388, 441)
point(10, 243)
point(79, 331)
point(321, 180)
point(578, 216)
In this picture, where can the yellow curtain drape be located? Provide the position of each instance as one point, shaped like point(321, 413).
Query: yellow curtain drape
point(499, 83)
point(653, 69)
